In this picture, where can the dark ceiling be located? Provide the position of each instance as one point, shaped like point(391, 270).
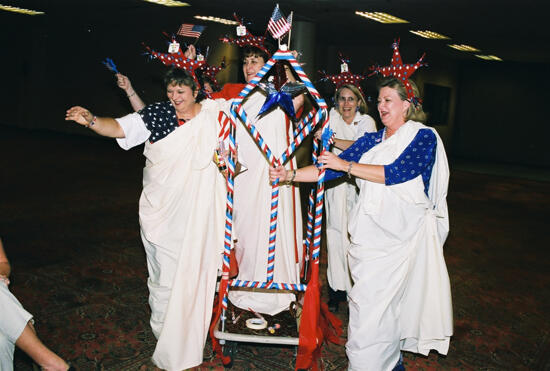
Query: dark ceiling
point(515, 31)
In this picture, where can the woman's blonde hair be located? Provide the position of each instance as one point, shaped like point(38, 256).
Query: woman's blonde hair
point(363, 108)
point(415, 111)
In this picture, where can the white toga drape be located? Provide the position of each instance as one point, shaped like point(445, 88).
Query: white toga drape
point(181, 212)
point(401, 296)
point(341, 195)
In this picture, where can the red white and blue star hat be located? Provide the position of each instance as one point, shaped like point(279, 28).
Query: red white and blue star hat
point(244, 38)
point(345, 77)
point(178, 59)
point(400, 71)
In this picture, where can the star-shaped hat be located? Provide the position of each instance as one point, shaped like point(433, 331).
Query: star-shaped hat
point(344, 77)
point(178, 59)
point(400, 71)
point(244, 38)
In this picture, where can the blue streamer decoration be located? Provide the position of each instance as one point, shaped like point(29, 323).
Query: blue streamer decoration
point(108, 62)
point(326, 138)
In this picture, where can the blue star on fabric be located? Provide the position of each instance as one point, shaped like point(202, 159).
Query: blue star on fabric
point(282, 97)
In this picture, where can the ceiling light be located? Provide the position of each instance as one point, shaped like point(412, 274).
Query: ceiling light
point(464, 48)
point(216, 19)
point(168, 2)
point(20, 10)
point(488, 57)
point(430, 35)
point(381, 17)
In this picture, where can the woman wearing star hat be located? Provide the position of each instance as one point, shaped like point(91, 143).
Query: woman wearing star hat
point(400, 299)
point(181, 212)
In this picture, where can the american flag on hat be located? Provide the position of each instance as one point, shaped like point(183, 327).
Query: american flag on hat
point(278, 25)
point(191, 30)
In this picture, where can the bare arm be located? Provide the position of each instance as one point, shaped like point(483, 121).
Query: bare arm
point(299, 100)
point(105, 126)
point(124, 83)
point(5, 268)
point(373, 173)
point(342, 144)
point(305, 174)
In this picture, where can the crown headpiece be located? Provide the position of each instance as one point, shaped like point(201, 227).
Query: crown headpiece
point(344, 77)
point(401, 71)
point(244, 38)
point(177, 59)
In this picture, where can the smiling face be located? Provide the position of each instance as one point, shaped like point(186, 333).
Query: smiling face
point(181, 97)
point(252, 64)
point(347, 104)
point(392, 108)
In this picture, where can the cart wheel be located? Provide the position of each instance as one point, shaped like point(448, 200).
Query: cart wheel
point(229, 350)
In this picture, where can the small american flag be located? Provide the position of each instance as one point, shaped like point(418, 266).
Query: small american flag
point(277, 24)
point(191, 30)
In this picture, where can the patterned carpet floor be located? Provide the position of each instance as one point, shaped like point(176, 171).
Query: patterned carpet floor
point(68, 218)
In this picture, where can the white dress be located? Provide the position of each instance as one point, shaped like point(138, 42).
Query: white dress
point(181, 212)
point(341, 195)
point(252, 214)
point(401, 296)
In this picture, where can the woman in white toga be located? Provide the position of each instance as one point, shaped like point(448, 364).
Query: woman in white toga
point(181, 212)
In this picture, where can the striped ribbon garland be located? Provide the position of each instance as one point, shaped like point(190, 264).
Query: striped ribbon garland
point(301, 136)
point(309, 227)
point(302, 123)
point(306, 125)
point(318, 219)
point(268, 285)
point(229, 207)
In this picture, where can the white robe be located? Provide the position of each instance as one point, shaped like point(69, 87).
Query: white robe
point(401, 296)
point(181, 210)
point(252, 214)
point(341, 195)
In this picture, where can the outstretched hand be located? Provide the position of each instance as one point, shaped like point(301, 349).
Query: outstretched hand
point(278, 172)
point(80, 115)
point(329, 160)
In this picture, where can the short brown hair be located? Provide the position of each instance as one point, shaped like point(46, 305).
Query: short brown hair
point(176, 76)
point(253, 51)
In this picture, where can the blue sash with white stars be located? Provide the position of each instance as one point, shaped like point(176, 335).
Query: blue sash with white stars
point(160, 119)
